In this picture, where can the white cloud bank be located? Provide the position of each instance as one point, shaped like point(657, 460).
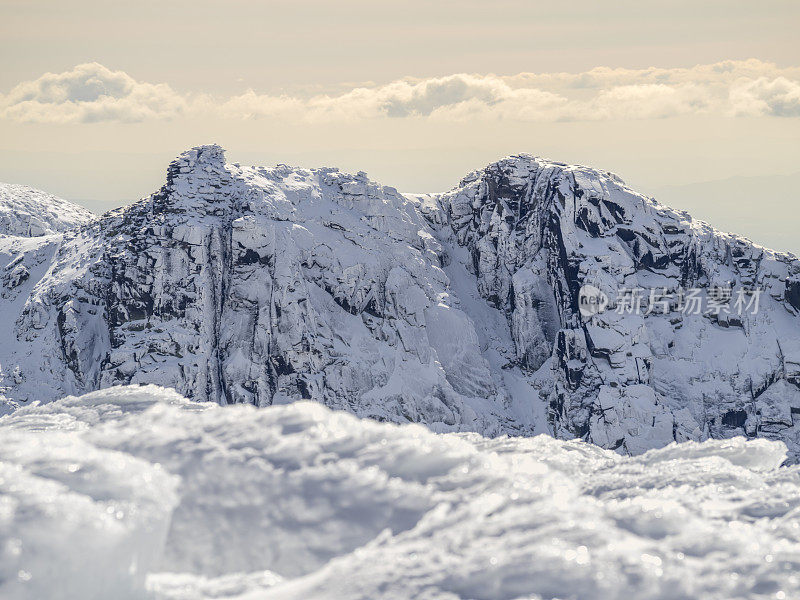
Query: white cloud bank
point(91, 93)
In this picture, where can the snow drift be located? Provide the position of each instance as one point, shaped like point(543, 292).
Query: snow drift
point(135, 492)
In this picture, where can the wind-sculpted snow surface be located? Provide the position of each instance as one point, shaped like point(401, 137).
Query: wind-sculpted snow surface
point(458, 311)
point(29, 212)
point(134, 491)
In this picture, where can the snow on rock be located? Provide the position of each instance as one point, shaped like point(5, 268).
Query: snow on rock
point(298, 501)
point(257, 286)
point(537, 231)
point(28, 212)
point(459, 311)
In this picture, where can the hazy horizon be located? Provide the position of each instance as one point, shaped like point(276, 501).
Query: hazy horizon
point(96, 98)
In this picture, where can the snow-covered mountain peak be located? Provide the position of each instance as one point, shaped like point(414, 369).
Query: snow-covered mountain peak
point(200, 182)
point(538, 231)
point(28, 212)
point(198, 157)
point(525, 165)
point(460, 310)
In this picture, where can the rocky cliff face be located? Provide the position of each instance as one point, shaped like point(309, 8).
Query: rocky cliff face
point(539, 231)
point(459, 310)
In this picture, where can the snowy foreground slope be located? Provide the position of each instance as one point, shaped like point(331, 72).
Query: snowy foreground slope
point(134, 492)
point(459, 310)
point(26, 211)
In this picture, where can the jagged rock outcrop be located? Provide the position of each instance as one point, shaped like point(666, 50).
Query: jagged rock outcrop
point(263, 286)
point(631, 381)
point(458, 310)
point(28, 212)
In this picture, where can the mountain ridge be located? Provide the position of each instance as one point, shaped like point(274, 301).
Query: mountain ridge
point(458, 310)
point(29, 212)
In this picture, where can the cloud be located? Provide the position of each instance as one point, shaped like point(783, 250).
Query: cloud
point(778, 97)
point(92, 92)
point(398, 99)
point(720, 74)
point(650, 101)
point(89, 93)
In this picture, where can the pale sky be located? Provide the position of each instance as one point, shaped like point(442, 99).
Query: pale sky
point(695, 102)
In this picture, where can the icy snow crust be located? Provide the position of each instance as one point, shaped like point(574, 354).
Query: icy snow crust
point(135, 492)
point(28, 212)
point(458, 311)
